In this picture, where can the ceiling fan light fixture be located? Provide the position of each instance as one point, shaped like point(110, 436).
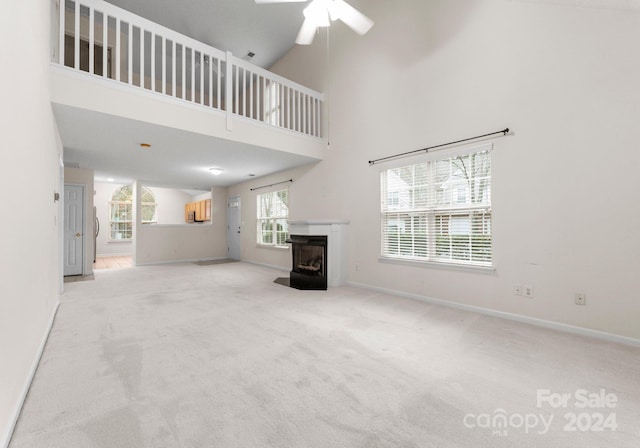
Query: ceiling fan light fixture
point(317, 12)
point(333, 8)
point(353, 18)
point(320, 13)
point(306, 33)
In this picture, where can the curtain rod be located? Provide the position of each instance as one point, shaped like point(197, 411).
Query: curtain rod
point(271, 185)
point(373, 162)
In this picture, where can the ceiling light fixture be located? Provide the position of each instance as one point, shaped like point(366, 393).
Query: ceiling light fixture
point(145, 145)
point(320, 13)
point(216, 171)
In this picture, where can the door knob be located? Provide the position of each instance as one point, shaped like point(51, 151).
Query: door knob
point(78, 234)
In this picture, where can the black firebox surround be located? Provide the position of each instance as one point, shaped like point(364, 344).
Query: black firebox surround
point(309, 262)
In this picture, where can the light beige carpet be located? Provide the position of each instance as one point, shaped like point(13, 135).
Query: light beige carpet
point(221, 356)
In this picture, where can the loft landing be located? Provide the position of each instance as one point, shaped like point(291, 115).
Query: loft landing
point(118, 79)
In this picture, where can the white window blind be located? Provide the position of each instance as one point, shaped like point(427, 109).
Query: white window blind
point(273, 215)
point(439, 210)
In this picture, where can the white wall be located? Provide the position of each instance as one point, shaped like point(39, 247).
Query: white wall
point(84, 177)
point(198, 197)
point(171, 202)
point(249, 248)
point(169, 243)
point(30, 173)
point(563, 78)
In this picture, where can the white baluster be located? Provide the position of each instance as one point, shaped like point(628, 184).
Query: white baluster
point(218, 84)
point(259, 98)
point(183, 64)
point(174, 72)
point(164, 64)
point(118, 49)
point(281, 105)
point(289, 107)
point(300, 125)
point(228, 88)
point(210, 81)
point(244, 92)
point(193, 75)
point(236, 82)
point(252, 111)
point(129, 52)
point(142, 57)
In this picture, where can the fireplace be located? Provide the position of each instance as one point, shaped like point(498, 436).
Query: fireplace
point(309, 267)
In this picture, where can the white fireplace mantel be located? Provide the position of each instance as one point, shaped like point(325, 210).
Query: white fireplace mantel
point(336, 232)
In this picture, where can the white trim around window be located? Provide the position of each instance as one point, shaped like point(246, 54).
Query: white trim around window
point(438, 210)
point(273, 218)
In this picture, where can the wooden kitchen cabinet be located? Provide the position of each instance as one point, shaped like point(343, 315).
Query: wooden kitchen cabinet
point(207, 210)
point(198, 211)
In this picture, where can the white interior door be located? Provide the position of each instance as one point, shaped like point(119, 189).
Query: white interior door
point(73, 229)
point(233, 227)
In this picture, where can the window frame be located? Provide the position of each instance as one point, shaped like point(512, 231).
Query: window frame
point(422, 243)
point(273, 220)
point(128, 223)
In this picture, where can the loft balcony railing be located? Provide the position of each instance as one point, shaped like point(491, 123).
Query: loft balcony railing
point(109, 42)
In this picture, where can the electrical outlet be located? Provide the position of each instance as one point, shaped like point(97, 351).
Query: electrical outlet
point(517, 290)
point(580, 298)
point(527, 291)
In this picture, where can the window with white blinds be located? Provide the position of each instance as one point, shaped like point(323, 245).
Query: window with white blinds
point(273, 215)
point(439, 210)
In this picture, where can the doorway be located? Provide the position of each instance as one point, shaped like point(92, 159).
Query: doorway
point(233, 228)
point(73, 238)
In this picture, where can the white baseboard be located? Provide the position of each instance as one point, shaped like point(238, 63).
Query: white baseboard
point(27, 384)
point(190, 260)
point(567, 328)
point(270, 266)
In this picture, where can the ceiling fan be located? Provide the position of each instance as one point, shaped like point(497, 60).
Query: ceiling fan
point(320, 13)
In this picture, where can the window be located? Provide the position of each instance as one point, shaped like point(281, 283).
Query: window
point(121, 212)
point(273, 212)
point(149, 208)
point(439, 210)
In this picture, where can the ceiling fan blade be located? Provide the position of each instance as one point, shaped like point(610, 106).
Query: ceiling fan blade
point(279, 1)
point(307, 32)
point(353, 18)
